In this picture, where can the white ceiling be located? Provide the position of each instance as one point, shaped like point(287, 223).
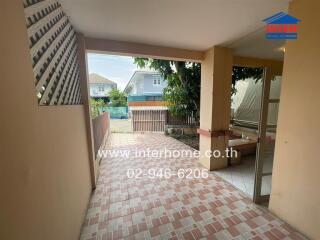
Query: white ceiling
point(187, 24)
point(256, 45)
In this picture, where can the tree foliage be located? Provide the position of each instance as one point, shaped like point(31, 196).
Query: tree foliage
point(95, 104)
point(242, 73)
point(117, 98)
point(182, 93)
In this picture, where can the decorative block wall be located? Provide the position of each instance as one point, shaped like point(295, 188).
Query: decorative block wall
point(53, 50)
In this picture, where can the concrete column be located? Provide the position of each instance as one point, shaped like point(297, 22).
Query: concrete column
point(216, 72)
point(94, 168)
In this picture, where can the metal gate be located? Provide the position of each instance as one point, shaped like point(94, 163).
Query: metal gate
point(148, 120)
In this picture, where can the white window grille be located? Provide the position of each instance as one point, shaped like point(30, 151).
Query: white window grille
point(156, 80)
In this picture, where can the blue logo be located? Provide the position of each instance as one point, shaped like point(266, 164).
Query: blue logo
point(281, 26)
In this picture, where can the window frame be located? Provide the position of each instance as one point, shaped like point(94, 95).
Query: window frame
point(156, 80)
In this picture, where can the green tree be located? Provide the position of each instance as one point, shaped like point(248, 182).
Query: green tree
point(95, 104)
point(242, 73)
point(117, 98)
point(183, 91)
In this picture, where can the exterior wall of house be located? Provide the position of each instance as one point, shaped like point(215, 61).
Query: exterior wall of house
point(295, 193)
point(138, 87)
point(149, 87)
point(145, 93)
point(144, 85)
point(44, 165)
point(145, 103)
point(100, 89)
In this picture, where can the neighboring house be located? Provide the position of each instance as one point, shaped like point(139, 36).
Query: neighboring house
point(100, 86)
point(145, 90)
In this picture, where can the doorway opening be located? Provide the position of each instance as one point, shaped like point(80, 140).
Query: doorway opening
point(134, 93)
point(107, 79)
point(254, 113)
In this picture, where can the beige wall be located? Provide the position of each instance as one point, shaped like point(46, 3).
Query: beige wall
point(44, 167)
point(296, 176)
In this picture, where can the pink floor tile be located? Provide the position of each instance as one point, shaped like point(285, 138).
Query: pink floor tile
point(171, 208)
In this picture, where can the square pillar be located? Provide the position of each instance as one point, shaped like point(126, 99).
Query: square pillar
point(82, 57)
point(215, 104)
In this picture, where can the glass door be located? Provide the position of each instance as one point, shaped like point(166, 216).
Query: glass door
point(266, 136)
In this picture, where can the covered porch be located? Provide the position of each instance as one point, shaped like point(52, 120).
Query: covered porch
point(171, 207)
point(50, 168)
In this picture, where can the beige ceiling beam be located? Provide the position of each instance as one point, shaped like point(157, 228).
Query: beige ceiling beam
point(275, 66)
point(142, 50)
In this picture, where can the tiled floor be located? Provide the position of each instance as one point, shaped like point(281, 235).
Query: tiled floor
point(120, 125)
point(175, 208)
point(242, 176)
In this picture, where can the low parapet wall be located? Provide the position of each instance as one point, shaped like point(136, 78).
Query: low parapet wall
point(101, 129)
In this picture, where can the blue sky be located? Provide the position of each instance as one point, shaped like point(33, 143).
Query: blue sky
point(116, 68)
